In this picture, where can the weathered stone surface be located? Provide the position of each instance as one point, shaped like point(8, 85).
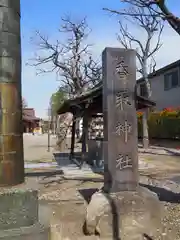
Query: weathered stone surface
point(35, 232)
point(124, 210)
point(62, 130)
point(18, 207)
point(120, 120)
point(11, 139)
point(126, 216)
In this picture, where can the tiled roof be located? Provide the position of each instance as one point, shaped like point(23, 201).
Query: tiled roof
point(29, 114)
point(91, 94)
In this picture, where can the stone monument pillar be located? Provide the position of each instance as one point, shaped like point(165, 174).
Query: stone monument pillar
point(120, 121)
point(122, 209)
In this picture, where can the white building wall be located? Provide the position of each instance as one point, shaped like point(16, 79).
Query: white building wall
point(164, 98)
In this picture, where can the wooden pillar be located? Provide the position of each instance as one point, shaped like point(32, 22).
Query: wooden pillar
point(84, 137)
point(73, 138)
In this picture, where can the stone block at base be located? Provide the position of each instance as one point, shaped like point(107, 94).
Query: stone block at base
point(18, 207)
point(126, 216)
point(19, 214)
point(34, 232)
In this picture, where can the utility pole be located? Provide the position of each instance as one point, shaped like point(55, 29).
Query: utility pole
point(49, 127)
point(11, 129)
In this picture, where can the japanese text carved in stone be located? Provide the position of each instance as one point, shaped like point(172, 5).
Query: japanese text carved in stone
point(122, 99)
point(120, 149)
point(123, 162)
point(121, 68)
point(125, 129)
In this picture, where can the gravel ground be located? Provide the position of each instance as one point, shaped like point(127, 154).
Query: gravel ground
point(169, 195)
point(68, 203)
point(172, 218)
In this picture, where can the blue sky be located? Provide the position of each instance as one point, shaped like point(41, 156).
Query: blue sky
point(45, 16)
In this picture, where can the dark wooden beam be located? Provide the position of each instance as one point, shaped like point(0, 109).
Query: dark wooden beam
point(73, 138)
point(97, 115)
point(84, 136)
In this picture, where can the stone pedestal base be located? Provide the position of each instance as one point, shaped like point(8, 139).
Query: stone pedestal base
point(35, 232)
point(19, 215)
point(126, 216)
point(18, 207)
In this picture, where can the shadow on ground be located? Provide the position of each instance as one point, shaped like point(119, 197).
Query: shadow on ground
point(167, 152)
point(64, 159)
point(42, 146)
point(173, 153)
point(87, 193)
point(163, 194)
point(44, 173)
point(165, 145)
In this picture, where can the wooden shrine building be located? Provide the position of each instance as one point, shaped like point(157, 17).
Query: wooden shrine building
point(88, 106)
point(30, 121)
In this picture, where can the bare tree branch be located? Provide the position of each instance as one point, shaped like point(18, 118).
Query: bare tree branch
point(71, 60)
point(166, 14)
point(158, 9)
point(147, 17)
point(24, 103)
point(123, 12)
point(152, 68)
point(151, 25)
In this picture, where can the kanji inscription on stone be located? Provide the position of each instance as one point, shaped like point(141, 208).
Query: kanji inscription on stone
point(122, 99)
point(121, 68)
point(123, 162)
point(120, 149)
point(125, 129)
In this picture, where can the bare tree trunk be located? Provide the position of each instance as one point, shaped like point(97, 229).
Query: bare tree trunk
point(49, 129)
point(54, 125)
point(145, 129)
point(58, 124)
point(151, 26)
point(64, 125)
point(146, 111)
point(173, 20)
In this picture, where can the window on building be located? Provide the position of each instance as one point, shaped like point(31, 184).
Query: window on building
point(171, 80)
point(143, 90)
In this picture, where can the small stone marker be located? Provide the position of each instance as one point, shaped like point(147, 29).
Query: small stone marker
point(120, 120)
